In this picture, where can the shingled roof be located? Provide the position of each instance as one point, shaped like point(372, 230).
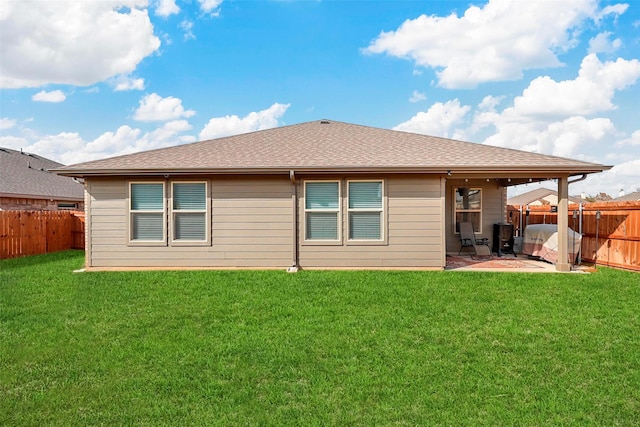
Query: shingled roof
point(631, 197)
point(326, 146)
point(27, 175)
point(536, 195)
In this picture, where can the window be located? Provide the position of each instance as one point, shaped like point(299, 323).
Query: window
point(365, 210)
point(187, 223)
point(67, 205)
point(468, 208)
point(322, 210)
point(189, 211)
point(147, 220)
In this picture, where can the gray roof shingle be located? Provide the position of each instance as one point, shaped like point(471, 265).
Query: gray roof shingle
point(631, 197)
point(24, 174)
point(325, 145)
point(535, 195)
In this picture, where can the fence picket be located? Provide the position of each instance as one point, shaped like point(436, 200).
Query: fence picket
point(617, 231)
point(34, 232)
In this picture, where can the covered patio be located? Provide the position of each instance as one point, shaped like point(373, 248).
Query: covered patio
point(562, 175)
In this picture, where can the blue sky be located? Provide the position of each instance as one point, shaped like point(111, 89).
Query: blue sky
point(92, 79)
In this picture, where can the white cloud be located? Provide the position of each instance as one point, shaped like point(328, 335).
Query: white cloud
point(490, 102)
point(493, 43)
point(591, 92)
point(177, 126)
point(624, 176)
point(210, 6)
point(187, 28)
point(232, 125)
point(60, 147)
point(437, 120)
point(13, 142)
point(53, 96)
point(122, 83)
point(552, 117)
point(567, 138)
point(70, 147)
point(7, 123)
point(602, 43)
point(634, 139)
point(153, 107)
point(613, 9)
point(72, 42)
point(417, 96)
point(166, 8)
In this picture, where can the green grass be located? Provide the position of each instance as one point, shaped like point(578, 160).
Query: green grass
point(316, 348)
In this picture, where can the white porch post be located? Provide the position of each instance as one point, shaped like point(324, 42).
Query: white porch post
point(563, 224)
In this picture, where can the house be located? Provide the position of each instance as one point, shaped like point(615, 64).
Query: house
point(27, 184)
point(539, 197)
point(631, 197)
point(321, 194)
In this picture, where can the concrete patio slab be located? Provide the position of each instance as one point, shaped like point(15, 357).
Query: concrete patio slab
point(506, 263)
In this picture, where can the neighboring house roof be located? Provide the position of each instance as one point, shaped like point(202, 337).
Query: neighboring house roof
point(538, 194)
point(631, 197)
point(27, 175)
point(330, 146)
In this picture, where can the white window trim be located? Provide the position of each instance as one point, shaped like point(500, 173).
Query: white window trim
point(382, 210)
point(207, 213)
point(338, 212)
point(131, 212)
point(455, 209)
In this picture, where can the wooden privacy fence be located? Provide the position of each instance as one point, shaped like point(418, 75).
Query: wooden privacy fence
point(37, 232)
point(613, 239)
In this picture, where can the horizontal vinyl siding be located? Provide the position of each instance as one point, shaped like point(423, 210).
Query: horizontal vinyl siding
point(252, 221)
point(251, 227)
point(413, 228)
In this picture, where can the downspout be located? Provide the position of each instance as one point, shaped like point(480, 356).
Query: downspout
point(582, 178)
point(294, 201)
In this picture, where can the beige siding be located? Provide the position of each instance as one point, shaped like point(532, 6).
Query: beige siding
point(414, 230)
point(493, 209)
point(251, 227)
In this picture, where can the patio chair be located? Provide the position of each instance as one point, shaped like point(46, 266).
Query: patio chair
point(480, 247)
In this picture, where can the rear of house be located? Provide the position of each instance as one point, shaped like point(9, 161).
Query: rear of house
point(315, 195)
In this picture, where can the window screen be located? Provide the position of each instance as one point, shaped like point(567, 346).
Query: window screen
point(365, 210)
point(147, 212)
point(189, 211)
point(322, 209)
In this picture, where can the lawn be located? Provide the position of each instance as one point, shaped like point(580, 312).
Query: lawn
point(316, 347)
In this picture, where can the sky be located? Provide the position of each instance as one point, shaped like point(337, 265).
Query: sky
point(84, 80)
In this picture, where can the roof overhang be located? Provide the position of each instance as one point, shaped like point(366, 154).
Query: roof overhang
point(520, 174)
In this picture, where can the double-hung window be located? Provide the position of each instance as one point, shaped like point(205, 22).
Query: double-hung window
point(189, 212)
point(365, 208)
point(468, 207)
point(322, 211)
point(146, 208)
